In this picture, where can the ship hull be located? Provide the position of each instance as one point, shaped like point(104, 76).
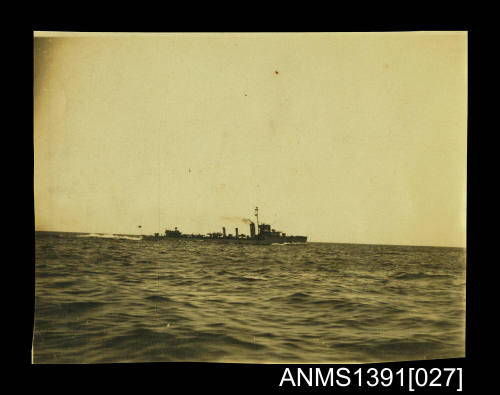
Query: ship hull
point(256, 240)
point(281, 240)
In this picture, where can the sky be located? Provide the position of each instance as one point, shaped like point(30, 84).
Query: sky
point(343, 137)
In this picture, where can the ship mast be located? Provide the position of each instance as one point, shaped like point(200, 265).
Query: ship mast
point(257, 216)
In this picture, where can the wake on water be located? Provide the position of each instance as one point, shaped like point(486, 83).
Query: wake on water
point(111, 236)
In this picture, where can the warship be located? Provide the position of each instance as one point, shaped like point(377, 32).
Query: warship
point(260, 233)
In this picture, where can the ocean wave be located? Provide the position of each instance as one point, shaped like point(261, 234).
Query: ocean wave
point(61, 284)
point(247, 278)
point(417, 276)
point(158, 298)
point(287, 244)
point(403, 349)
point(292, 298)
point(72, 308)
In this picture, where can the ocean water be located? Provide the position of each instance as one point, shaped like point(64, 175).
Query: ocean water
point(110, 299)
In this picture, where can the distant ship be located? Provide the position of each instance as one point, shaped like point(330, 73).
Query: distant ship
point(264, 235)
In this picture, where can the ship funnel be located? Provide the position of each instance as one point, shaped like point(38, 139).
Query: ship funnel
point(236, 232)
point(224, 231)
point(252, 229)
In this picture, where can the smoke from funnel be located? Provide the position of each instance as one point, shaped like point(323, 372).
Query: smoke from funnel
point(237, 219)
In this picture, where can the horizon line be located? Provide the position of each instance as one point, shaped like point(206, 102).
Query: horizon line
point(328, 242)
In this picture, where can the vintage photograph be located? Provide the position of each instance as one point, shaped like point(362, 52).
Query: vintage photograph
point(249, 197)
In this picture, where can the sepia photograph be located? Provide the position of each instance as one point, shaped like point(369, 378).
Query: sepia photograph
point(257, 198)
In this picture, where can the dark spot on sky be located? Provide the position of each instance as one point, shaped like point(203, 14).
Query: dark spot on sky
point(276, 72)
